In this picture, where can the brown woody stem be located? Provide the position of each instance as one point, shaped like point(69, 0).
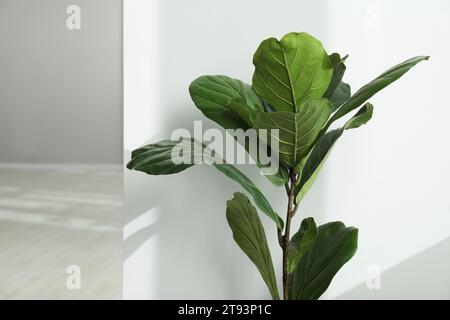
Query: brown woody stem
point(286, 237)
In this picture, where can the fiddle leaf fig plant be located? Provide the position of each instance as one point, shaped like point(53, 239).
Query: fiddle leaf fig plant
point(297, 93)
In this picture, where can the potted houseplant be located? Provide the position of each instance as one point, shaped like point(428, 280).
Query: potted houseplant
point(297, 92)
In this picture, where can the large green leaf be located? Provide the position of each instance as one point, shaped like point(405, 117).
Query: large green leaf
point(239, 105)
point(223, 99)
point(260, 200)
point(291, 71)
point(366, 92)
point(340, 95)
point(156, 159)
point(335, 245)
point(297, 131)
point(322, 149)
point(363, 116)
point(338, 73)
point(315, 162)
point(212, 94)
point(249, 234)
point(301, 242)
point(280, 178)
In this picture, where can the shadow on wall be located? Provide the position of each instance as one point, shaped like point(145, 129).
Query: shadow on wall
point(423, 276)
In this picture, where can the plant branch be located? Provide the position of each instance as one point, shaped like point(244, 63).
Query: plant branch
point(295, 210)
point(285, 243)
point(280, 239)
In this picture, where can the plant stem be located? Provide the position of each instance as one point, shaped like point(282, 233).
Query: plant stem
point(286, 237)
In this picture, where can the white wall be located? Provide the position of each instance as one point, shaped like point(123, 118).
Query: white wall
point(60, 90)
point(389, 178)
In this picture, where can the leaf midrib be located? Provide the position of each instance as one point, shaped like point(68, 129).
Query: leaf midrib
point(344, 246)
point(290, 79)
point(259, 246)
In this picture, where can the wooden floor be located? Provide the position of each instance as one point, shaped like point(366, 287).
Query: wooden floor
point(53, 219)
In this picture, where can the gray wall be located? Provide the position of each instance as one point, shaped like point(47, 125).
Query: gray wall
point(60, 89)
point(423, 276)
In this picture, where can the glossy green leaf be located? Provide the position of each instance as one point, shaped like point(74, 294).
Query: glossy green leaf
point(315, 162)
point(260, 200)
point(278, 179)
point(249, 234)
point(268, 107)
point(282, 175)
point(338, 73)
point(363, 115)
point(212, 95)
point(335, 245)
point(322, 149)
point(291, 71)
point(340, 95)
point(366, 92)
point(239, 105)
point(297, 131)
point(301, 242)
point(156, 159)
